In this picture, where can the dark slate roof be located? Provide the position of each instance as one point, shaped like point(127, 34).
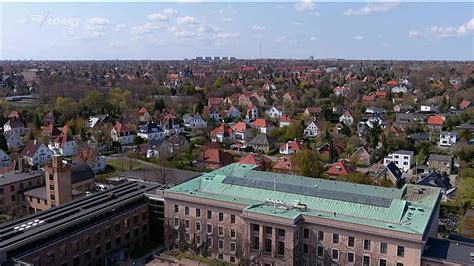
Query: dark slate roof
point(419, 136)
point(449, 250)
point(394, 170)
point(154, 143)
point(149, 128)
point(13, 176)
point(435, 180)
point(39, 192)
point(467, 126)
point(260, 139)
point(81, 172)
point(440, 157)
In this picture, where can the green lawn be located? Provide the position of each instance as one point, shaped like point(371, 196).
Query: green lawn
point(124, 165)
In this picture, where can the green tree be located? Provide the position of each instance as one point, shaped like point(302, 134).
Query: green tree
point(3, 143)
point(119, 98)
point(307, 163)
point(218, 83)
point(93, 100)
point(37, 121)
point(159, 105)
point(358, 178)
point(465, 193)
point(138, 140)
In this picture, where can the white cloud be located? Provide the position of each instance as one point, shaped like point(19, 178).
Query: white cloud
point(120, 27)
point(298, 24)
point(223, 37)
point(373, 7)
point(306, 6)
point(207, 29)
point(443, 31)
point(313, 38)
point(286, 40)
point(227, 19)
point(359, 37)
point(98, 21)
point(146, 28)
point(187, 20)
point(386, 44)
point(185, 34)
point(258, 28)
point(162, 16)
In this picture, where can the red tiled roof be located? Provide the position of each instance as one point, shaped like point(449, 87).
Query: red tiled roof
point(381, 93)
point(51, 130)
point(436, 120)
point(284, 164)
point(240, 127)
point(14, 114)
point(258, 160)
point(314, 110)
point(262, 122)
point(464, 104)
point(392, 83)
point(62, 139)
point(285, 118)
point(31, 147)
point(218, 156)
point(222, 129)
point(120, 128)
point(342, 167)
point(368, 98)
point(142, 111)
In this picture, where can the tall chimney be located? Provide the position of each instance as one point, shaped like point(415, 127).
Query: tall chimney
point(20, 165)
point(57, 161)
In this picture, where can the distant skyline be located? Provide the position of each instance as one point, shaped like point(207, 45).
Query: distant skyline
point(297, 30)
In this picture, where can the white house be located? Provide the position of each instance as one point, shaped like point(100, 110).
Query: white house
point(4, 159)
point(121, 133)
point(429, 108)
point(252, 113)
point(14, 125)
point(195, 121)
point(274, 112)
point(242, 131)
point(14, 141)
point(213, 112)
point(64, 144)
point(151, 131)
point(347, 118)
point(312, 130)
point(98, 163)
point(447, 138)
point(233, 112)
point(399, 89)
point(36, 153)
point(403, 159)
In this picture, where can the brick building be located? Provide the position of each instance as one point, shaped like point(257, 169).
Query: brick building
point(241, 215)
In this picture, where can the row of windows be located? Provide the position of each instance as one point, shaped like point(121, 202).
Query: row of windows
point(351, 242)
point(209, 214)
point(366, 259)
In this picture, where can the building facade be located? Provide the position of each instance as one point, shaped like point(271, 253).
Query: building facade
point(241, 215)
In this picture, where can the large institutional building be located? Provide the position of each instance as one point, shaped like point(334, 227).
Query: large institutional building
point(242, 215)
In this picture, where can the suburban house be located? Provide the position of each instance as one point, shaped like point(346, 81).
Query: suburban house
point(242, 131)
point(284, 166)
point(447, 138)
point(233, 112)
point(312, 130)
point(429, 108)
point(440, 163)
point(403, 108)
point(284, 121)
point(361, 156)
point(64, 145)
point(393, 174)
point(51, 117)
point(221, 133)
point(342, 91)
point(50, 131)
point(419, 137)
point(252, 112)
point(342, 167)
point(347, 118)
point(465, 104)
point(143, 115)
point(90, 156)
point(438, 180)
point(213, 112)
point(399, 89)
point(262, 163)
point(194, 121)
point(36, 153)
point(174, 145)
point(4, 159)
point(97, 121)
point(121, 133)
point(312, 111)
point(216, 158)
point(275, 112)
point(150, 131)
point(14, 125)
point(291, 147)
point(171, 125)
point(403, 159)
point(261, 143)
point(153, 147)
point(436, 122)
point(14, 141)
point(263, 125)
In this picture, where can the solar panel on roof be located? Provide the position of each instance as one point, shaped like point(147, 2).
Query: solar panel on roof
point(309, 191)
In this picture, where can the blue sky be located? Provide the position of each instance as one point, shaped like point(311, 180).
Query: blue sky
point(356, 30)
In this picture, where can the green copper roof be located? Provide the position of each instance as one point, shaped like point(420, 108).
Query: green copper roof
point(407, 209)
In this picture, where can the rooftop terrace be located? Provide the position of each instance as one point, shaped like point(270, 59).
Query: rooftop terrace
point(406, 210)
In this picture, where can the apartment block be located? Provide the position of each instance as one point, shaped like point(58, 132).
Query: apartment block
point(241, 215)
point(403, 159)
